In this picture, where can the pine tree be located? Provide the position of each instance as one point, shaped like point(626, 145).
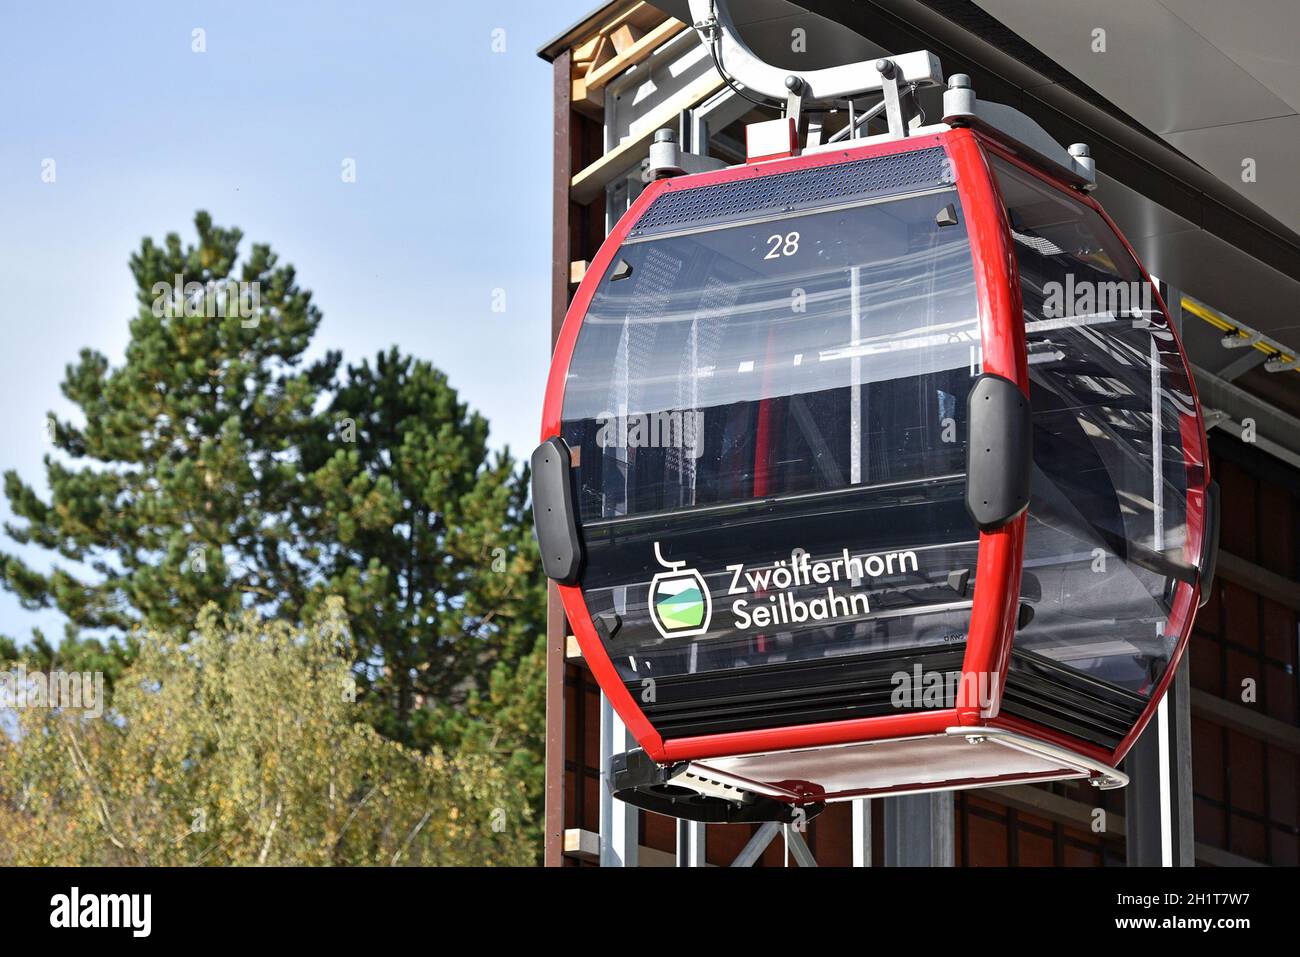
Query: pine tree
point(430, 539)
point(217, 466)
point(185, 470)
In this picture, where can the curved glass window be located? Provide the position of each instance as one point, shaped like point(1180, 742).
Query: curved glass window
point(1106, 541)
point(769, 424)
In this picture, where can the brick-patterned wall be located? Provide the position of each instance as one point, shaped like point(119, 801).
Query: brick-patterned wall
point(1247, 790)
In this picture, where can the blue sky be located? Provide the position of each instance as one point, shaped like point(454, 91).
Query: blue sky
point(452, 145)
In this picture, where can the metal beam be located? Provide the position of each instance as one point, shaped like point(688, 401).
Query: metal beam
point(587, 184)
point(712, 20)
point(919, 830)
point(1142, 806)
point(862, 832)
point(1158, 800)
point(619, 821)
point(798, 847)
point(1240, 366)
point(711, 117)
point(756, 845)
point(1275, 432)
point(691, 847)
point(1180, 771)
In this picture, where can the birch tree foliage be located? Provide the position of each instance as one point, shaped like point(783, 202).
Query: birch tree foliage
point(241, 743)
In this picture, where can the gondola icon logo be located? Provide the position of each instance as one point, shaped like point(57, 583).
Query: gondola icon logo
point(680, 604)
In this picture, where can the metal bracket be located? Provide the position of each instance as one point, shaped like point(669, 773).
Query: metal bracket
point(899, 105)
point(858, 121)
point(962, 108)
point(712, 20)
point(898, 79)
point(680, 790)
point(794, 99)
point(1234, 340)
point(667, 159)
point(1100, 775)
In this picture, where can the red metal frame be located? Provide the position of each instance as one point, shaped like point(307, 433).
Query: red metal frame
point(995, 603)
point(997, 570)
point(1196, 457)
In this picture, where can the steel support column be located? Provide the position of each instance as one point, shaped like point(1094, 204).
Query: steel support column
point(862, 832)
point(919, 830)
point(620, 835)
point(690, 844)
point(797, 847)
point(1158, 799)
point(756, 845)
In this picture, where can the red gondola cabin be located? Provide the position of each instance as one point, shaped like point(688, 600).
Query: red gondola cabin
point(868, 471)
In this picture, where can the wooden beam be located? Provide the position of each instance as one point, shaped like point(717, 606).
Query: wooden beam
point(633, 55)
point(603, 53)
point(591, 102)
point(585, 846)
point(624, 37)
point(592, 107)
point(619, 44)
point(640, 14)
point(584, 53)
point(572, 650)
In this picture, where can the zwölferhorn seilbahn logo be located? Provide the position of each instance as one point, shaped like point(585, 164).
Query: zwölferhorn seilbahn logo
point(680, 604)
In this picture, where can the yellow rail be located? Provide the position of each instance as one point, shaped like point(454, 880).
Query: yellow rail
point(1224, 325)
